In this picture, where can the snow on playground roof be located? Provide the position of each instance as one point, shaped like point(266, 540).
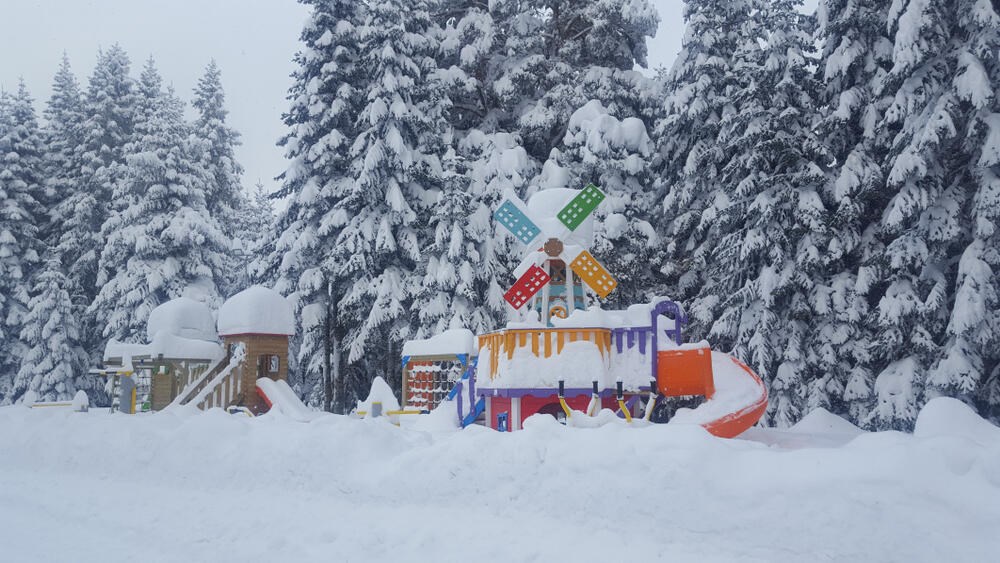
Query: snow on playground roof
point(256, 310)
point(168, 346)
point(452, 341)
point(183, 317)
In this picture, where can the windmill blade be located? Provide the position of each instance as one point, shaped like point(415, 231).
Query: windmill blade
point(526, 287)
point(577, 210)
point(593, 274)
point(510, 216)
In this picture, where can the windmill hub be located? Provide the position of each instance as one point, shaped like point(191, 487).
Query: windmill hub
point(553, 247)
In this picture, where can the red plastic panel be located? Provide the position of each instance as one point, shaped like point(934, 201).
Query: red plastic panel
point(526, 287)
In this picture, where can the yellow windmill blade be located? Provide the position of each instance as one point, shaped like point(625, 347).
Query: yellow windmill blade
point(593, 274)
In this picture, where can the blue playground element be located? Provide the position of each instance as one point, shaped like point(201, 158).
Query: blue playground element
point(511, 217)
point(478, 410)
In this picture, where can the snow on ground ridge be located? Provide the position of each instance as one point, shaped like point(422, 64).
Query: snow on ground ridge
point(213, 486)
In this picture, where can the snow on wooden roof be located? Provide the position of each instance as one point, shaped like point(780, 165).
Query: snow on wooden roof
point(256, 310)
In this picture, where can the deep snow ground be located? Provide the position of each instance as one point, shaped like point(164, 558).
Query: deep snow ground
point(215, 487)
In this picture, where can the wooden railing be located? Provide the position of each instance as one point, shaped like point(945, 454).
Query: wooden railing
point(193, 386)
point(226, 386)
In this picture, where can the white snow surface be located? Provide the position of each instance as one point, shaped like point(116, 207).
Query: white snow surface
point(544, 207)
point(182, 487)
point(380, 392)
point(452, 341)
point(285, 400)
point(183, 317)
point(256, 310)
point(166, 345)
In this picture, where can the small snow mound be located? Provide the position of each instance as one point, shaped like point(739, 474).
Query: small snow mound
point(29, 398)
point(822, 421)
point(945, 416)
point(452, 341)
point(256, 310)
point(379, 393)
point(81, 402)
point(183, 317)
point(444, 418)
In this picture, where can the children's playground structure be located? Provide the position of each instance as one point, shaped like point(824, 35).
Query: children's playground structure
point(560, 354)
point(239, 363)
point(563, 358)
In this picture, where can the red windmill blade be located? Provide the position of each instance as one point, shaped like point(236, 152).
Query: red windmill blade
point(526, 287)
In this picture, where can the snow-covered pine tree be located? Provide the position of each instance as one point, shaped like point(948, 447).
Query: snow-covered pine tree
point(54, 364)
point(162, 242)
point(109, 106)
point(488, 81)
point(699, 87)
point(252, 222)
point(63, 117)
point(967, 366)
point(583, 51)
point(856, 56)
point(773, 227)
point(449, 296)
point(922, 223)
point(512, 87)
point(396, 163)
point(225, 195)
point(326, 97)
point(21, 184)
point(614, 154)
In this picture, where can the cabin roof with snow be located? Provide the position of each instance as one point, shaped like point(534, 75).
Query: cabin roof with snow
point(256, 310)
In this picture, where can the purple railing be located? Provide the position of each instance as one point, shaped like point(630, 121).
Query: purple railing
point(672, 310)
point(626, 338)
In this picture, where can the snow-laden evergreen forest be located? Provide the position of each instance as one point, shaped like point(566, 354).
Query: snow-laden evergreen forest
point(821, 191)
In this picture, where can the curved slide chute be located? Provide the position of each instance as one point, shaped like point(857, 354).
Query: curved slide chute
point(738, 402)
point(278, 395)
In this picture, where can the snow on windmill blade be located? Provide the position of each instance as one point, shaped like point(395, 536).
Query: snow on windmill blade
point(581, 206)
point(526, 287)
point(517, 222)
point(593, 274)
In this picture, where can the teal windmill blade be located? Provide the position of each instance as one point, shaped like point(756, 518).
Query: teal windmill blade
point(515, 221)
point(577, 210)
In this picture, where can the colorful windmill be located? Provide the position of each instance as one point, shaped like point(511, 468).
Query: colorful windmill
point(559, 246)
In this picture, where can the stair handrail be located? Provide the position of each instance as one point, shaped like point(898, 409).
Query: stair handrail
point(197, 385)
point(236, 358)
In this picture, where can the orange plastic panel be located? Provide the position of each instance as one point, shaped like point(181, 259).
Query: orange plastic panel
point(735, 423)
point(685, 372)
point(593, 274)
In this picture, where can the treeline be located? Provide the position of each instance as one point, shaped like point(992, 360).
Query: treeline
point(110, 205)
point(820, 190)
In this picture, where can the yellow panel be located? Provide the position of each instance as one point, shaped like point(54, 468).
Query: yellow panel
point(594, 274)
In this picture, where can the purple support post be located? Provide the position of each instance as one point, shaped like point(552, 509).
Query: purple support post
point(679, 318)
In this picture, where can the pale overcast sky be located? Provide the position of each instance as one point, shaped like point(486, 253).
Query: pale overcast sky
point(252, 40)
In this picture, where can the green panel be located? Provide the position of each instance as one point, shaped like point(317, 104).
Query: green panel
point(581, 207)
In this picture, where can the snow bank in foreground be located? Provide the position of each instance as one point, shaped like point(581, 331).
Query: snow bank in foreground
point(215, 487)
